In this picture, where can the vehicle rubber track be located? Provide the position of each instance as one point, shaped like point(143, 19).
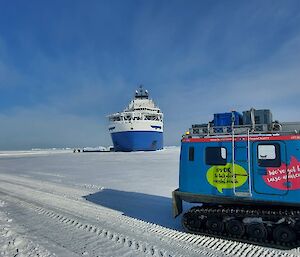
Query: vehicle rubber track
point(279, 228)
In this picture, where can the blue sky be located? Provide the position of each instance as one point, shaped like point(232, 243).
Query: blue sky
point(65, 65)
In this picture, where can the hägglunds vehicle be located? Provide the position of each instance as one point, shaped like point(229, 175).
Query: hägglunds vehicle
point(244, 173)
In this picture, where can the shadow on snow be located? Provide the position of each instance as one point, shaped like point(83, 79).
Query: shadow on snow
point(149, 208)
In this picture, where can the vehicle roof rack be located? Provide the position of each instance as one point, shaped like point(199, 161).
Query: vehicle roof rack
point(207, 130)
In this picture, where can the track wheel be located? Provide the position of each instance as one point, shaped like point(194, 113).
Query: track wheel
point(235, 228)
point(191, 222)
point(257, 230)
point(284, 234)
point(215, 225)
point(185, 219)
point(297, 226)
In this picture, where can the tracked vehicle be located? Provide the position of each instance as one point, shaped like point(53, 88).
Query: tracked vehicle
point(243, 172)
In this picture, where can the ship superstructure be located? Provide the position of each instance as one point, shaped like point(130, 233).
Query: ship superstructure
point(139, 127)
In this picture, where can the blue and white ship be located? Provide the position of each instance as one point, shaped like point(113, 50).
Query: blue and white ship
point(139, 127)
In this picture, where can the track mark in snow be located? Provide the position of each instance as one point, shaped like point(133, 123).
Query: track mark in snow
point(14, 244)
point(178, 242)
point(138, 247)
point(2, 203)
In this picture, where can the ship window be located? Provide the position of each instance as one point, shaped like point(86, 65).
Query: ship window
point(268, 155)
point(191, 153)
point(216, 156)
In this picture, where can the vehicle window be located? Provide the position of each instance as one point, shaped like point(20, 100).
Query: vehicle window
point(268, 155)
point(216, 156)
point(191, 153)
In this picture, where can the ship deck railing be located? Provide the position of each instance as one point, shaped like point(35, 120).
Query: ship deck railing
point(207, 130)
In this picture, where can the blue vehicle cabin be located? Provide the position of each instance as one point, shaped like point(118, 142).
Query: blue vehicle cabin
point(239, 168)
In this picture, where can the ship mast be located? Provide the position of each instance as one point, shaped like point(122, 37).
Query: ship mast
point(141, 93)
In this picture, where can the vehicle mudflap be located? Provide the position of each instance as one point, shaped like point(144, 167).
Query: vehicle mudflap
point(177, 203)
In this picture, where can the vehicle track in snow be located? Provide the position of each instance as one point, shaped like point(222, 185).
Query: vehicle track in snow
point(95, 232)
point(136, 240)
point(15, 244)
point(104, 231)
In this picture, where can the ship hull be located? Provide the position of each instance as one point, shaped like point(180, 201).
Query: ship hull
point(128, 141)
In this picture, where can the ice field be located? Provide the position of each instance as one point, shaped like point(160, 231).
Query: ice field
point(60, 203)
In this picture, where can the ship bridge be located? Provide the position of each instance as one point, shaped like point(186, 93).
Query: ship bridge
point(142, 103)
point(140, 108)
